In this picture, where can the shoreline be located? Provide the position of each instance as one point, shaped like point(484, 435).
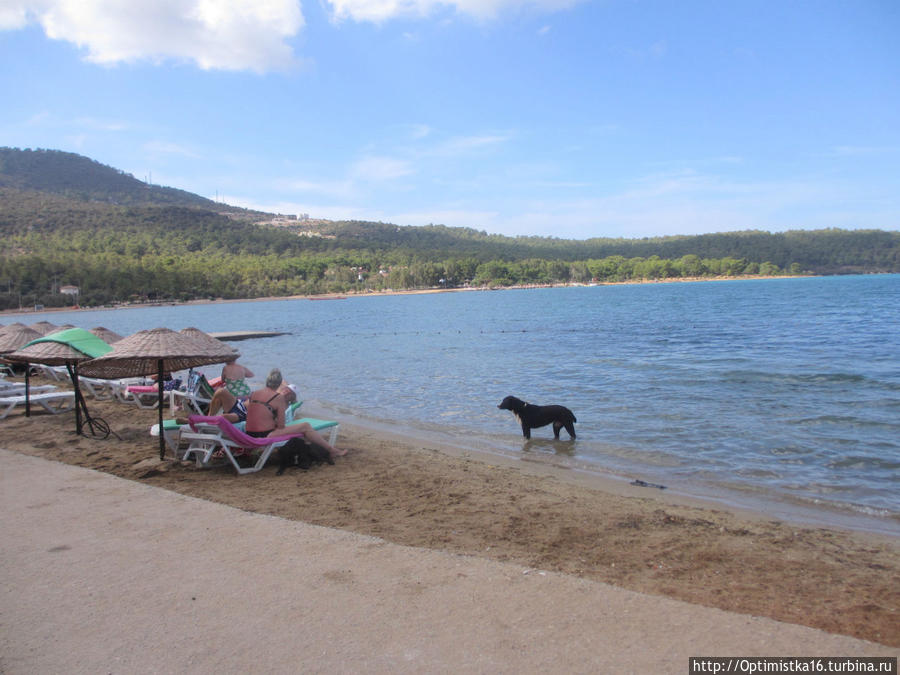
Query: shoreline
point(425, 494)
point(387, 293)
point(760, 506)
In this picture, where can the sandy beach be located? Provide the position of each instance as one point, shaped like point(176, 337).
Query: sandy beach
point(426, 496)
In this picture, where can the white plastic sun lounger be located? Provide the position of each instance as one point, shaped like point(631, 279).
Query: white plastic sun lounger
point(211, 434)
point(52, 402)
point(176, 435)
point(18, 388)
point(102, 390)
point(53, 372)
point(146, 396)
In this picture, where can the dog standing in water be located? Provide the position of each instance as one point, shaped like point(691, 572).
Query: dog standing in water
point(532, 416)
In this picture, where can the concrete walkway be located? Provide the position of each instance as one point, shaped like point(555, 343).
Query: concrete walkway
point(105, 575)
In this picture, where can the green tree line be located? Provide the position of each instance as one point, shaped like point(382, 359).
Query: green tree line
point(69, 221)
point(137, 271)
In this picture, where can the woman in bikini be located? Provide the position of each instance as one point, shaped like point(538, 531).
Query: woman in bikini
point(229, 400)
point(265, 415)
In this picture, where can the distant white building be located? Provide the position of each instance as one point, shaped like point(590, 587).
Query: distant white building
point(69, 290)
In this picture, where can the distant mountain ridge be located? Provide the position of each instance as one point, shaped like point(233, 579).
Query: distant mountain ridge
point(68, 219)
point(78, 177)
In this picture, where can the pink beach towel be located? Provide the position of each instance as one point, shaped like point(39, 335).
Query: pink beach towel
point(235, 434)
point(142, 388)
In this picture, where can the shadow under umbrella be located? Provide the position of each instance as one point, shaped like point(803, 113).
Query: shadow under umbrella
point(69, 348)
point(153, 352)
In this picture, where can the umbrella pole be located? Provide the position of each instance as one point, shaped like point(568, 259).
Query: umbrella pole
point(79, 399)
point(162, 435)
point(27, 397)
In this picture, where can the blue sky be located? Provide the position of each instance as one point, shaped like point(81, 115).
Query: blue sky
point(562, 118)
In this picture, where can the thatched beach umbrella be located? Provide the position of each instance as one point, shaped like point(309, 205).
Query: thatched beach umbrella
point(105, 334)
point(68, 348)
point(16, 335)
point(153, 352)
point(12, 337)
point(215, 345)
point(43, 327)
point(59, 329)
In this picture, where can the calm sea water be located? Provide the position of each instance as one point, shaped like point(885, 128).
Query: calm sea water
point(777, 394)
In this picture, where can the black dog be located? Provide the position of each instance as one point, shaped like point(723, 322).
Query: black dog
point(303, 454)
point(533, 416)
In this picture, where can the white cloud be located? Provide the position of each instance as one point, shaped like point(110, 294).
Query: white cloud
point(214, 34)
point(420, 131)
point(14, 15)
point(383, 10)
point(376, 169)
point(97, 124)
point(464, 145)
point(679, 203)
point(675, 203)
point(332, 189)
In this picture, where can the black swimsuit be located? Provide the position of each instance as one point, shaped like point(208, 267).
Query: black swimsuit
point(263, 434)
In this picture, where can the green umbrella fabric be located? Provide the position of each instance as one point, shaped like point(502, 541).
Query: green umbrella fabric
point(78, 338)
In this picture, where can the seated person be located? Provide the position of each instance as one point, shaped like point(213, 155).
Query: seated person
point(289, 391)
point(234, 379)
point(229, 399)
point(234, 409)
point(265, 414)
point(228, 405)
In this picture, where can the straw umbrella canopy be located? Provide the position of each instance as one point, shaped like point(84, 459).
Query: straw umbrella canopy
point(153, 352)
point(12, 337)
point(43, 327)
point(16, 335)
point(68, 348)
point(105, 334)
point(59, 329)
point(215, 345)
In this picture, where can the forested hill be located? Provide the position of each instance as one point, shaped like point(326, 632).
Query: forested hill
point(80, 178)
point(832, 251)
point(70, 221)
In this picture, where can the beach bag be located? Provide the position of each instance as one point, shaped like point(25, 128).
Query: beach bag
point(169, 385)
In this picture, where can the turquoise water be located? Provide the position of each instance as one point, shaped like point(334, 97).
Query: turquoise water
point(772, 393)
